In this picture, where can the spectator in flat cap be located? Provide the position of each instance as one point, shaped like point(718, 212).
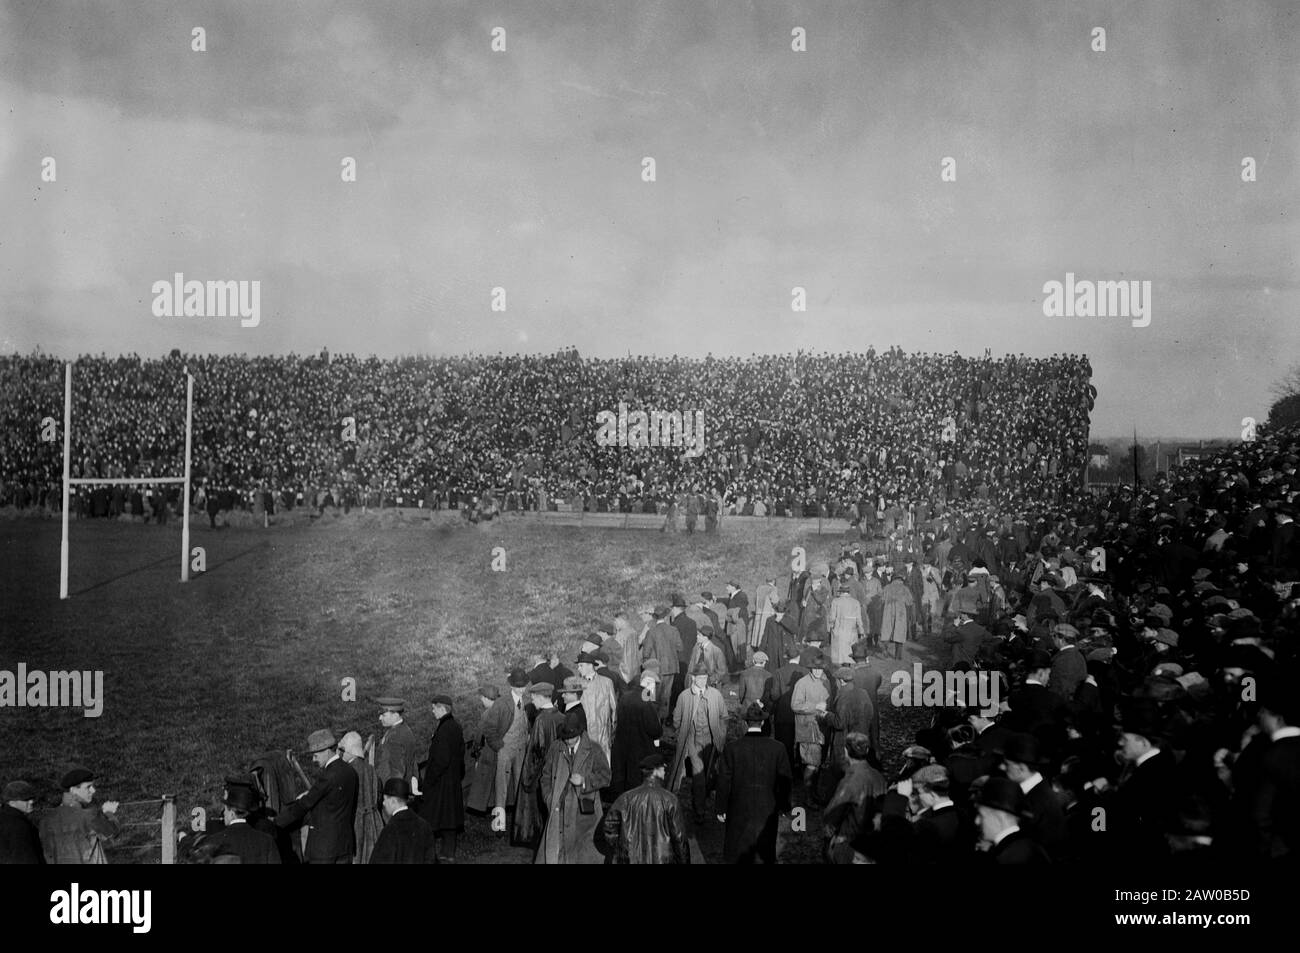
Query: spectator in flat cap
point(75, 831)
point(505, 732)
point(852, 806)
point(809, 702)
point(544, 730)
point(398, 753)
point(706, 653)
point(328, 807)
point(574, 775)
point(407, 838)
point(444, 806)
point(700, 721)
point(237, 835)
point(645, 824)
point(998, 805)
point(756, 684)
point(20, 841)
point(938, 833)
point(754, 782)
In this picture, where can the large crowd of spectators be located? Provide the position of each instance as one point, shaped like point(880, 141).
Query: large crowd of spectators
point(793, 434)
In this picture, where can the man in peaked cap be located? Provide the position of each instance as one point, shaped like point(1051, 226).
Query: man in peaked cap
point(998, 805)
point(329, 806)
point(505, 732)
point(238, 836)
point(645, 825)
point(398, 753)
point(74, 832)
point(407, 838)
point(20, 842)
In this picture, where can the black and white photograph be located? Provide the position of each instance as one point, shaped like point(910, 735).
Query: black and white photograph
point(733, 432)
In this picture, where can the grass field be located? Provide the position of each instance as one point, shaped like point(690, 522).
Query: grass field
point(250, 655)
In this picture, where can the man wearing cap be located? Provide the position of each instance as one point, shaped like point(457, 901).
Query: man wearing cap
point(663, 644)
point(407, 838)
point(571, 701)
point(530, 811)
point(237, 836)
point(572, 779)
point(809, 702)
point(645, 825)
point(505, 732)
point(998, 805)
point(756, 685)
point(549, 669)
point(598, 702)
point(706, 652)
point(779, 635)
point(965, 635)
point(398, 752)
point(74, 832)
point(1069, 667)
point(852, 710)
point(700, 721)
point(481, 783)
point(444, 804)
point(20, 841)
point(937, 833)
point(329, 805)
point(754, 781)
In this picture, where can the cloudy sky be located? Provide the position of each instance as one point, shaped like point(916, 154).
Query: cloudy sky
point(775, 169)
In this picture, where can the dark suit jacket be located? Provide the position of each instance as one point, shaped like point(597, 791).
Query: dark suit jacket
point(1145, 800)
point(754, 781)
point(1044, 820)
point(941, 837)
point(251, 845)
point(1277, 801)
point(329, 806)
point(444, 800)
point(20, 841)
point(407, 838)
point(1037, 703)
point(1069, 669)
point(1019, 848)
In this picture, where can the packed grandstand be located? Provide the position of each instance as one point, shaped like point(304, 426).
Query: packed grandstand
point(793, 434)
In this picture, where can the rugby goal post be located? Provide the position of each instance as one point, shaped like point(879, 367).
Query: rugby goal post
point(69, 482)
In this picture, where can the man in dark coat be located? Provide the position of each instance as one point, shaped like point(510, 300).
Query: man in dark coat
point(1043, 818)
point(397, 755)
point(444, 800)
point(20, 841)
point(1146, 795)
point(999, 804)
point(754, 780)
point(645, 823)
point(1277, 794)
point(784, 680)
point(636, 729)
point(238, 836)
point(407, 838)
point(780, 633)
point(329, 805)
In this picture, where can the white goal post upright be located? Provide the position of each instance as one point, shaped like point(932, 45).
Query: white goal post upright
point(69, 482)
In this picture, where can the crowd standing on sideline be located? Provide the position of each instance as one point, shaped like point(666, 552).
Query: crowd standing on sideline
point(1144, 645)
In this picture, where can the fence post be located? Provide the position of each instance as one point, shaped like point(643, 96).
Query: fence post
point(169, 829)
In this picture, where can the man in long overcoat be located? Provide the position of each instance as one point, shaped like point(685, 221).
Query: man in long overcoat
point(637, 729)
point(444, 804)
point(754, 780)
point(700, 721)
point(575, 773)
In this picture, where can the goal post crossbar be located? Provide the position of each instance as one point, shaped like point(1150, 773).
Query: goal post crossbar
point(69, 482)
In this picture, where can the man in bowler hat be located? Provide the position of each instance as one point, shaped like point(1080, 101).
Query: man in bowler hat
point(407, 838)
